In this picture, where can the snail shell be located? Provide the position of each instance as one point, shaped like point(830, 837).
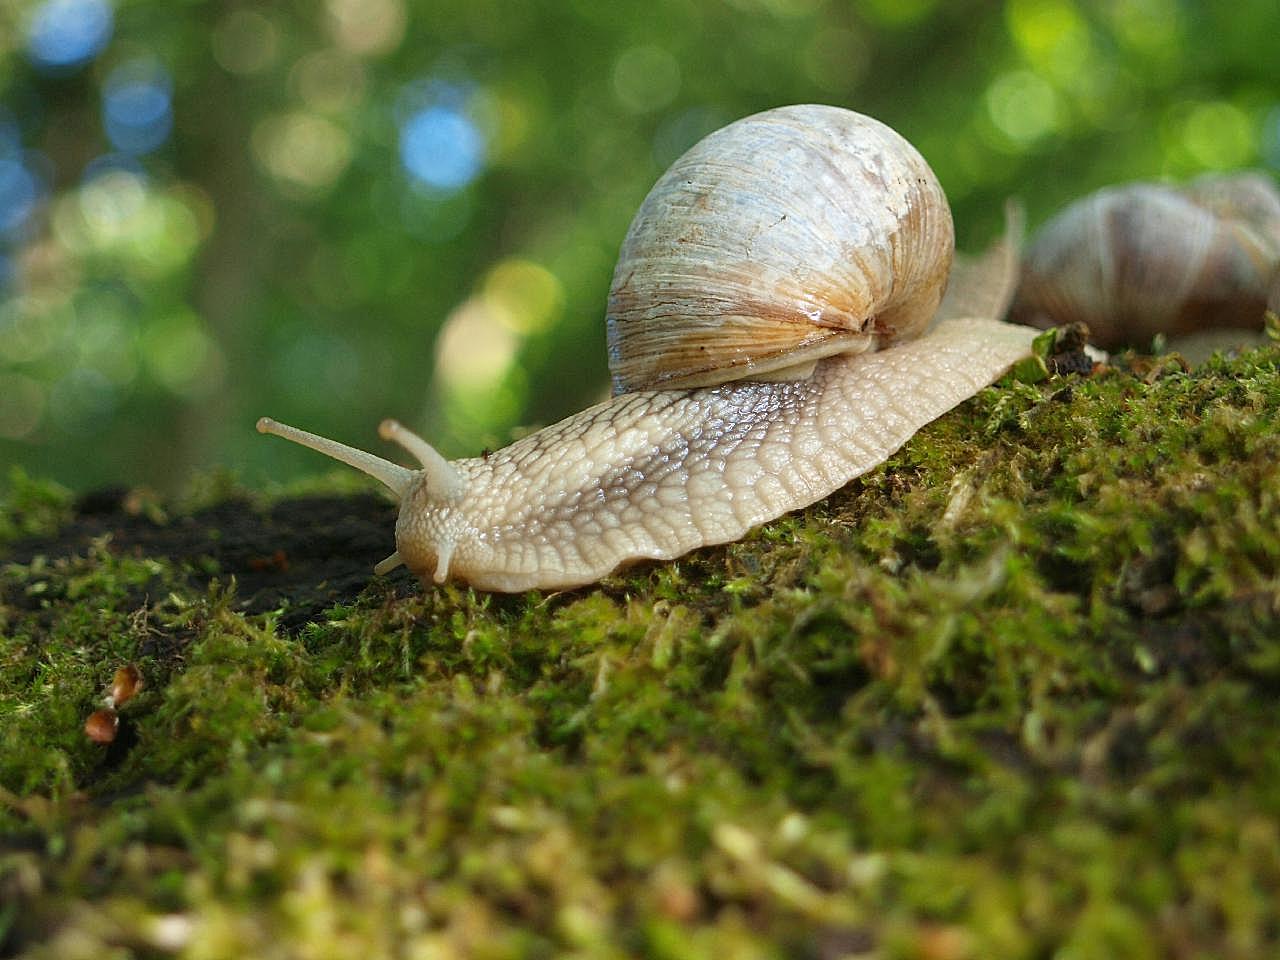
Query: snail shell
point(1145, 258)
point(788, 236)
point(767, 341)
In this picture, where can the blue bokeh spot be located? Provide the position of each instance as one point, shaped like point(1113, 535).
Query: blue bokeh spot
point(67, 33)
point(10, 137)
point(137, 108)
point(19, 193)
point(441, 148)
point(111, 162)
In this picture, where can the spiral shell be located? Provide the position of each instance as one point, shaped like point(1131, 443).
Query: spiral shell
point(1145, 258)
point(785, 237)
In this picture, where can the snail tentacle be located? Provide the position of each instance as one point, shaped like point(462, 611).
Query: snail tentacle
point(396, 478)
point(441, 477)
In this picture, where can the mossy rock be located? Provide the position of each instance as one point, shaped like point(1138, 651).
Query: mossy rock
point(1011, 695)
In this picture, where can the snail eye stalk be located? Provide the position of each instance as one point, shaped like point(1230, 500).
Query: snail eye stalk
point(396, 478)
point(443, 480)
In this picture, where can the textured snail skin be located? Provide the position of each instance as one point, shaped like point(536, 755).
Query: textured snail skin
point(655, 474)
point(682, 460)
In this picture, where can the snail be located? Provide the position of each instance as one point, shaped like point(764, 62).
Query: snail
point(773, 332)
point(1141, 259)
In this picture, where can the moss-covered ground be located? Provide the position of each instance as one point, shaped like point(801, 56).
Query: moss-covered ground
point(1014, 694)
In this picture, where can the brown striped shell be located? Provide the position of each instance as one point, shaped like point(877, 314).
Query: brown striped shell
point(785, 237)
point(1146, 258)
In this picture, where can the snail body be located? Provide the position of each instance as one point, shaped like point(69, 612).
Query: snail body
point(1146, 258)
point(767, 343)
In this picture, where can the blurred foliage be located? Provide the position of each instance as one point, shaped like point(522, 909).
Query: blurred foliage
point(339, 211)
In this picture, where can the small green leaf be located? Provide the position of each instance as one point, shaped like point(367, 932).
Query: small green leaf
point(1043, 346)
point(1271, 324)
point(1030, 369)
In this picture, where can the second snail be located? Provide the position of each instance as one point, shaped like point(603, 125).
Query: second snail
point(776, 327)
point(1146, 259)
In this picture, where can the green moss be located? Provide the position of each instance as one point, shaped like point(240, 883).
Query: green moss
point(1011, 694)
point(30, 507)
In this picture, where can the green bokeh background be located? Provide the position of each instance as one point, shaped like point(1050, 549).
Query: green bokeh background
point(273, 256)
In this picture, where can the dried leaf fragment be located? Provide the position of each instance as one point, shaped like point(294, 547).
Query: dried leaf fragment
point(102, 725)
point(124, 685)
